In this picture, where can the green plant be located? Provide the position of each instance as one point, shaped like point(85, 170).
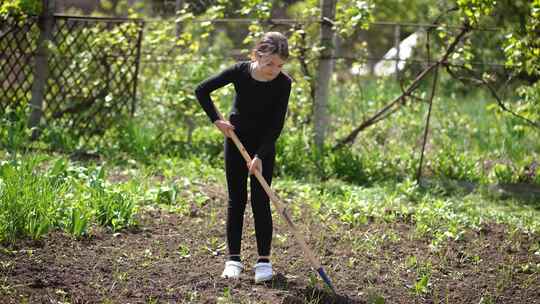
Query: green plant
point(77, 221)
point(226, 297)
point(457, 165)
point(14, 134)
point(293, 155)
point(423, 272)
point(374, 298)
point(348, 166)
point(503, 173)
point(422, 285)
point(113, 208)
point(29, 205)
point(167, 194)
point(57, 138)
point(183, 251)
point(136, 140)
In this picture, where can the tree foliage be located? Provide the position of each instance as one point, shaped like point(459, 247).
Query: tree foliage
point(201, 48)
point(18, 9)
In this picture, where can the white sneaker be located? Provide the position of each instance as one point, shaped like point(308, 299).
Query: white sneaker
point(263, 272)
point(232, 270)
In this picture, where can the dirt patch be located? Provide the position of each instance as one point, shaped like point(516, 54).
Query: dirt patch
point(171, 258)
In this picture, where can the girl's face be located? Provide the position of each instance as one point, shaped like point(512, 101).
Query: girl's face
point(270, 66)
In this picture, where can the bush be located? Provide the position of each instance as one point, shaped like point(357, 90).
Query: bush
point(348, 166)
point(453, 164)
point(295, 156)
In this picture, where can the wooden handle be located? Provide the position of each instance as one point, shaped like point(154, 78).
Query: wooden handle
point(278, 203)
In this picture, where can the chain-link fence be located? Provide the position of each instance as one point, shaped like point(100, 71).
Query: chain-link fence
point(90, 80)
point(17, 48)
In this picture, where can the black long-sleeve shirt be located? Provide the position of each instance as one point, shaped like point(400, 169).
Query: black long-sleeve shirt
point(259, 107)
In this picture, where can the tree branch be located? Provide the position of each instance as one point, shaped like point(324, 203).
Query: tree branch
point(481, 81)
point(426, 131)
point(400, 99)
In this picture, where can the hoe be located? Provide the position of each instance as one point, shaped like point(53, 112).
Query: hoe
point(280, 206)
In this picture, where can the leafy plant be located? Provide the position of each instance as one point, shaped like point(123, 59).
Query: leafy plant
point(455, 165)
point(503, 173)
point(14, 135)
point(114, 209)
point(422, 285)
point(29, 205)
point(77, 223)
point(348, 166)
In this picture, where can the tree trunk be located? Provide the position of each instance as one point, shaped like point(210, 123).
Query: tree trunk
point(324, 71)
point(178, 6)
point(41, 66)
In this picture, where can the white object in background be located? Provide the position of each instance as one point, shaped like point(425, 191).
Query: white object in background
point(387, 66)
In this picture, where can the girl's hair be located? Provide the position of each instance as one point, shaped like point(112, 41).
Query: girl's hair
point(271, 43)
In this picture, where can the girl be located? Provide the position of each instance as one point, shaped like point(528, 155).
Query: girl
point(257, 117)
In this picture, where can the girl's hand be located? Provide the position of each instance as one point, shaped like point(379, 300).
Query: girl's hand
point(255, 165)
point(224, 126)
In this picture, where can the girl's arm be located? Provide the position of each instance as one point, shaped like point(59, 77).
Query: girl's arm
point(211, 84)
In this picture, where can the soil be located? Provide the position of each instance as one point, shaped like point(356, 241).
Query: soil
point(173, 258)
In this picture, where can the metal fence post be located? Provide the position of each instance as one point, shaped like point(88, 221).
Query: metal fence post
point(137, 64)
point(397, 41)
point(41, 66)
point(178, 6)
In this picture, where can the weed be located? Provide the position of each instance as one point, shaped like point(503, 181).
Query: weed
point(226, 297)
point(183, 251)
point(215, 246)
point(374, 297)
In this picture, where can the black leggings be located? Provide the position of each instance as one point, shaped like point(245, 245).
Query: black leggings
point(237, 173)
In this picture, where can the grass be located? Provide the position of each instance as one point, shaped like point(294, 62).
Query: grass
point(51, 192)
point(439, 216)
point(29, 201)
point(40, 193)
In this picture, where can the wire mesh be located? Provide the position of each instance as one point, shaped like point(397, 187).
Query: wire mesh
point(17, 47)
point(92, 70)
point(92, 73)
